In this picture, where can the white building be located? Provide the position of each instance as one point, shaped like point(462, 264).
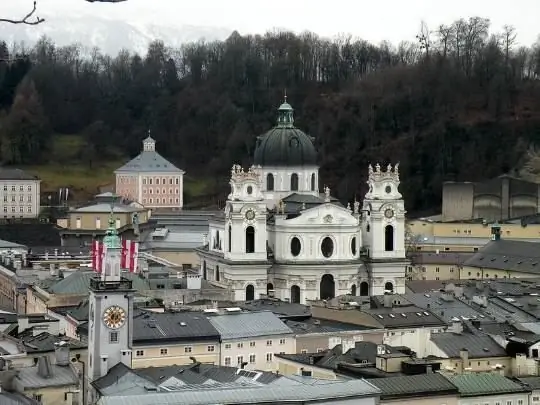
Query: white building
point(20, 194)
point(278, 234)
point(250, 339)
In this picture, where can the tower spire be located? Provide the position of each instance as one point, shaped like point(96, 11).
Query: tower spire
point(111, 238)
point(285, 114)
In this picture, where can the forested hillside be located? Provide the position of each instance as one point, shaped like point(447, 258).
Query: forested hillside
point(459, 102)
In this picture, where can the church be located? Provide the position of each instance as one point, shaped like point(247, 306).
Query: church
point(279, 235)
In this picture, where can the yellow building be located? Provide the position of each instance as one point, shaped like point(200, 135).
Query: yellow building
point(431, 236)
point(83, 224)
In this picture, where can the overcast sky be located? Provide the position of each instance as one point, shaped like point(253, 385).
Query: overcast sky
point(374, 20)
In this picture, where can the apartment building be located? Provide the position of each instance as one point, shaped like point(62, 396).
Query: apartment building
point(19, 194)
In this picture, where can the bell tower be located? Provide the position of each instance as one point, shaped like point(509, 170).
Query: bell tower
point(383, 231)
point(245, 213)
point(110, 312)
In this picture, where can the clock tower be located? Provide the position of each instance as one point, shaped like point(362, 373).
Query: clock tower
point(110, 312)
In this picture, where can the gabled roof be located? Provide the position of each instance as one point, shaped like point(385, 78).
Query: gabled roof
point(508, 255)
point(477, 384)
point(79, 283)
point(15, 174)
point(404, 317)
point(9, 398)
point(478, 345)
point(414, 386)
point(149, 162)
point(154, 328)
point(45, 342)
point(248, 324)
point(104, 208)
point(60, 376)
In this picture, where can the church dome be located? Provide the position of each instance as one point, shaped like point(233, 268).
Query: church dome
point(285, 145)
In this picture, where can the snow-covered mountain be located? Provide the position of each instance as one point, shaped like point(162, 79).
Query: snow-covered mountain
point(110, 35)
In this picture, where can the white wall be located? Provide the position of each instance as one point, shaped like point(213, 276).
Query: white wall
point(258, 347)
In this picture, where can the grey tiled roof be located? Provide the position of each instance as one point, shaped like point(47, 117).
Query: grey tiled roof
point(15, 174)
point(478, 345)
point(248, 324)
point(79, 283)
point(531, 382)
point(510, 255)
point(61, 376)
point(106, 208)
point(414, 386)
point(149, 162)
point(405, 317)
point(8, 398)
point(274, 393)
point(444, 306)
point(45, 342)
point(449, 258)
point(155, 328)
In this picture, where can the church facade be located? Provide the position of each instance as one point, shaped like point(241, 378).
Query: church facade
point(279, 235)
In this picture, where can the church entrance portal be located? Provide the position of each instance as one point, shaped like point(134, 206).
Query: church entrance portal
point(250, 292)
point(328, 287)
point(364, 289)
point(295, 294)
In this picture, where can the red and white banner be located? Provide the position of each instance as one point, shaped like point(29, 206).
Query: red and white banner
point(98, 254)
point(130, 254)
point(128, 259)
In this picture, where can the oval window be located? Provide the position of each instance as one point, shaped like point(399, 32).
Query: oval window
point(327, 247)
point(249, 189)
point(388, 189)
point(353, 246)
point(296, 246)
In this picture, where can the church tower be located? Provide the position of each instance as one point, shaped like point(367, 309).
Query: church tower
point(110, 312)
point(383, 230)
point(245, 238)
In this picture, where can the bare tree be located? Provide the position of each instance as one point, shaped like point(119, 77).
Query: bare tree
point(424, 38)
point(32, 19)
point(28, 19)
point(509, 39)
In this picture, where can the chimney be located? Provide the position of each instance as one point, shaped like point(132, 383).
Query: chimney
point(103, 365)
point(387, 297)
point(61, 352)
point(456, 327)
point(44, 368)
point(464, 355)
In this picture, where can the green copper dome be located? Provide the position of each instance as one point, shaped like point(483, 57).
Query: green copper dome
point(285, 145)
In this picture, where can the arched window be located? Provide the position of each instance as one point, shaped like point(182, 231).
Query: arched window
point(217, 274)
point(230, 238)
point(250, 292)
point(294, 182)
point(353, 290)
point(353, 246)
point(270, 182)
point(313, 182)
point(389, 287)
point(250, 239)
point(327, 287)
point(204, 270)
point(389, 238)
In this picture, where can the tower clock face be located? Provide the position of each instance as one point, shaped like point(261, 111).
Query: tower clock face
point(250, 215)
point(114, 317)
point(389, 213)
